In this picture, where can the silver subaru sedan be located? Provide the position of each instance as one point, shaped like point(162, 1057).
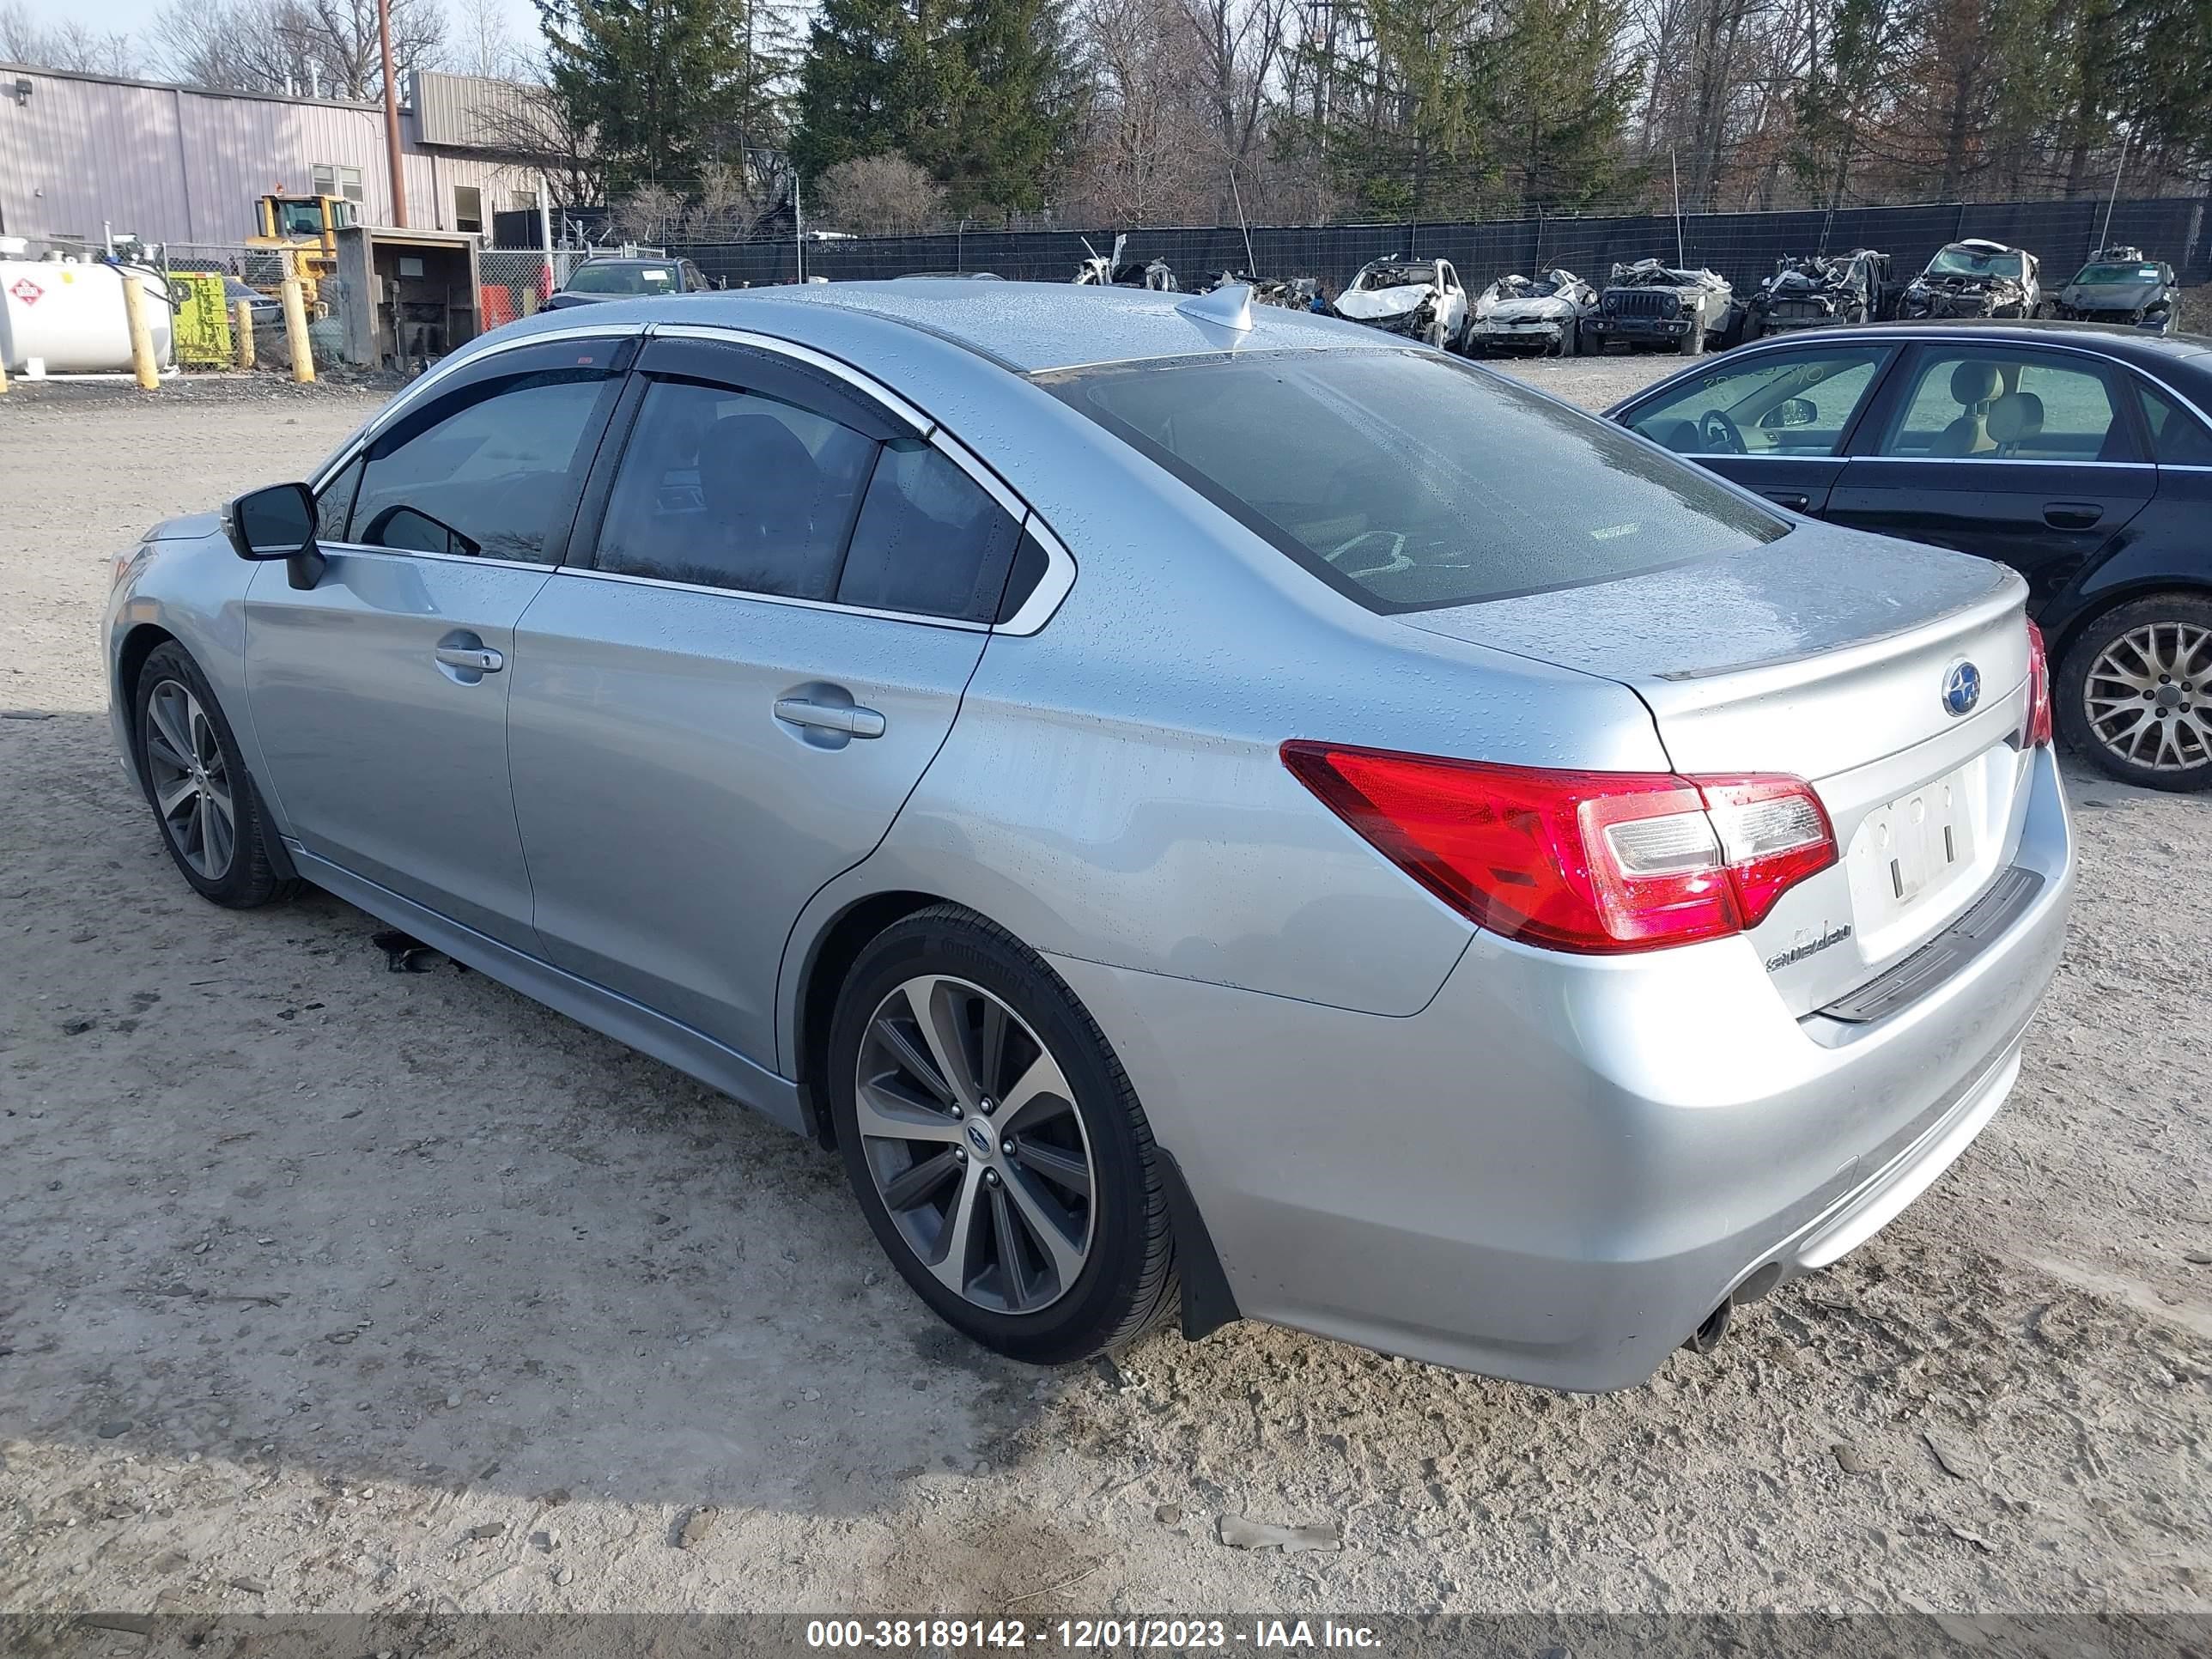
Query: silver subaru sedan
point(1208, 811)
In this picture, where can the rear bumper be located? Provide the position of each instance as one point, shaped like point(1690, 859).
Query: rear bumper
point(1558, 1168)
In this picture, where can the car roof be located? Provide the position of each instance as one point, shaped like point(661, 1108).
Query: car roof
point(1033, 327)
point(2145, 350)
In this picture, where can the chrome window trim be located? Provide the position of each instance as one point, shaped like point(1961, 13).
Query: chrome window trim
point(958, 624)
point(475, 561)
point(1993, 460)
point(447, 368)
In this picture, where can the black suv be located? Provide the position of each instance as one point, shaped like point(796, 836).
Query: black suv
point(2080, 455)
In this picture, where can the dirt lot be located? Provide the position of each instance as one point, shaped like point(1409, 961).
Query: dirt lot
point(329, 1288)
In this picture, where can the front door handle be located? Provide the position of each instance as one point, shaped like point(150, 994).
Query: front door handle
point(2072, 515)
point(477, 659)
point(1794, 503)
point(831, 717)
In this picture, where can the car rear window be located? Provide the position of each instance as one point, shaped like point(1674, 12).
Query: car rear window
point(1411, 482)
point(623, 279)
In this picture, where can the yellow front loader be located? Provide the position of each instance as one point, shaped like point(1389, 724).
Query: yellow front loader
point(308, 224)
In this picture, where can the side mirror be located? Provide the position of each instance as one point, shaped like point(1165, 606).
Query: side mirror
point(275, 523)
point(1796, 411)
point(278, 523)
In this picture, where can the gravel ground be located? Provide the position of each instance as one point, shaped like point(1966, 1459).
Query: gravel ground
point(336, 1289)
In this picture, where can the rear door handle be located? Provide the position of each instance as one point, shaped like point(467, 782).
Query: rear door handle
point(2072, 515)
point(831, 717)
point(480, 658)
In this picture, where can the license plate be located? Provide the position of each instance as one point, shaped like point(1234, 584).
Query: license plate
point(1917, 843)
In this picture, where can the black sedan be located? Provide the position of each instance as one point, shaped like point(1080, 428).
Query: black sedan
point(2080, 455)
point(613, 278)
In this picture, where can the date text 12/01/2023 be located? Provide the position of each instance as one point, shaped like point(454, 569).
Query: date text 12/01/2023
point(1171, 1635)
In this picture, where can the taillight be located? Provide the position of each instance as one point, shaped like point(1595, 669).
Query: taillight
point(1594, 862)
point(2038, 690)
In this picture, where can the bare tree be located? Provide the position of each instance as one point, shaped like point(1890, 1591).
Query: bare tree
point(880, 196)
point(648, 214)
point(480, 43)
point(70, 45)
point(729, 205)
point(326, 48)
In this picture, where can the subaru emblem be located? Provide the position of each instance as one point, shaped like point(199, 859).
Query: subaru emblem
point(1962, 687)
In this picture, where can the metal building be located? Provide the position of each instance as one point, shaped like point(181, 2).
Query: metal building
point(80, 154)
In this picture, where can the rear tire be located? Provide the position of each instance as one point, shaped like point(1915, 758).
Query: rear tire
point(2135, 692)
point(205, 804)
point(957, 1042)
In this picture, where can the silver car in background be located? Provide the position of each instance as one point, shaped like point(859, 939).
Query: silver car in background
point(1204, 808)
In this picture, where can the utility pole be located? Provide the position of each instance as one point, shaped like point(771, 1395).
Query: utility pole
point(391, 116)
point(2105, 237)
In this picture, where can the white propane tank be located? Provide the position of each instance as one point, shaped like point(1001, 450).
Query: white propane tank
point(70, 313)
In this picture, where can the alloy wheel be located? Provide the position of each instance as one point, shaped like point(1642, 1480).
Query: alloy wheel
point(971, 1135)
point(190, 781)
point(2148, 696)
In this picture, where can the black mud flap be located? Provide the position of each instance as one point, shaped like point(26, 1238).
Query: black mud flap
point(1208, 1303)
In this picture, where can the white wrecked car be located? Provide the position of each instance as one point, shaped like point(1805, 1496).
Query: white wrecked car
point(1098, 270)
point(1422, 298)
point(1539, 313)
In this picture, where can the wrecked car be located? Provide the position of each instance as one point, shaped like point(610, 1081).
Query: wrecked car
point(1542, 314)
point(1098, 270)
point(1973, 278)
point(1649, 304)
point(1291, 293)
point(2121, 287)
point(1422, 298)
point(1819, 290)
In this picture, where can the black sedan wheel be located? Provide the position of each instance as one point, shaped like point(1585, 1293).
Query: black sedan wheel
point(994, 1144)
point(2136, 691)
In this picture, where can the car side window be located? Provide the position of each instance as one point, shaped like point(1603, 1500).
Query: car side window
point(1997, 405)
point(334, 501)
point(929, 540)
point(2177, 438)
point(489, 472)
point(730, 489)
point(1788, 404)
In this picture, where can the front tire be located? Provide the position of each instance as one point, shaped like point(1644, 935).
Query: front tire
point(2135, 692)
point(994, 1143)
point(209, 812)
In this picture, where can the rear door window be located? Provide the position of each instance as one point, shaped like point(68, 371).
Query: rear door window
point(728, 488)
point(1409, 480)
point(1998, 403)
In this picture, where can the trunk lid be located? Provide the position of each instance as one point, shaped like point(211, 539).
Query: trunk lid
point(1825, 655)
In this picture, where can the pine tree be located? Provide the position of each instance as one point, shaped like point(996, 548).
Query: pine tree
point(977, 92)
point(665, 87)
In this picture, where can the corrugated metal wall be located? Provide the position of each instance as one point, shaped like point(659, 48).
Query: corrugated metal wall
point(172, 164)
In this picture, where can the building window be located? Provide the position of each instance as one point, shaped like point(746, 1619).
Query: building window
point(468, 209)
point(332, 180)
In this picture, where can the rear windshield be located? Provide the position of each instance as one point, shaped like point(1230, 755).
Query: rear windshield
point(1411, 482)
point(623, 279)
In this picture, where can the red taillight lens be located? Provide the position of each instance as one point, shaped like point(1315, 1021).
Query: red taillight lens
point(1596, 862)
point(2038, 690)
